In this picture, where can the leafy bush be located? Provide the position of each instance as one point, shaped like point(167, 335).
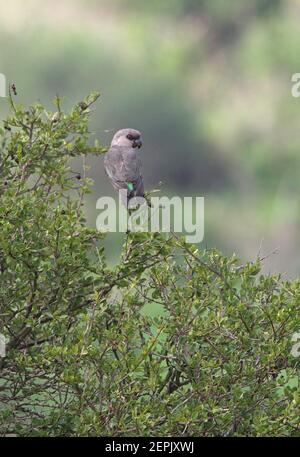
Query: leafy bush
point(171, 341)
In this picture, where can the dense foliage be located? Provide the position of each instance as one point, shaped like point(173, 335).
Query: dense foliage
point(86, 353)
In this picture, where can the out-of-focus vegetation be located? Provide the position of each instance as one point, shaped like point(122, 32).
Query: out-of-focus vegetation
point(207, 82)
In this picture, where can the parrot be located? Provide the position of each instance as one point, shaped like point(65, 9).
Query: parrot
point(123, 164)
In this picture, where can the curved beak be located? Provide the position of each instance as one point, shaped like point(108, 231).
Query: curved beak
point(137, 143)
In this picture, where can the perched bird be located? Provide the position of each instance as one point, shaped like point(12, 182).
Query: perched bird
point(123, 164)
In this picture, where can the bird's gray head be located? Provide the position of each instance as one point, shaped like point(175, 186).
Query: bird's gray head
point(127, 137)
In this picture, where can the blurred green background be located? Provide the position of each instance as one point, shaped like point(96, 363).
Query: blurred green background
point(208, 83)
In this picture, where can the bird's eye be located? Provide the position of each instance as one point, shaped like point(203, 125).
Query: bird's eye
point(130, 137)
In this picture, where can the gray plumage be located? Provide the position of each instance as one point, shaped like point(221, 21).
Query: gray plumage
point(123, 164)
